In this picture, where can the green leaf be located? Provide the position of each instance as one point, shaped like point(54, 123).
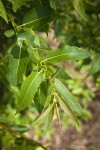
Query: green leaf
point(45, 113)
point(40, 97)
point(90, 2)
point(67, 53)
point(4, 119)
point(79, 7)
point(68, 97)
point(17, 65)
point(95, 65)
point(18, 128)
point(3, 13)
point(48, 119)
point(9, 33)
point(16, 4)
point(53, 4)
point(38, 17)
point(58, 114)
point(66, 108)
point(29, 89)
point(28, 37)
point(37, 41)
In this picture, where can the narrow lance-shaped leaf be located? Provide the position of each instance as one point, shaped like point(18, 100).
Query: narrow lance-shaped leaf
point(28, 90)
point(66, 108)
point(95, 65)
point(48, 119)
point(3, 13)
point(18, 128)
point(79, 7)
point(45, 113)
point(58, 114)
point(68, 97)
point(17, 65)
point(67, 53)
point(40, 97)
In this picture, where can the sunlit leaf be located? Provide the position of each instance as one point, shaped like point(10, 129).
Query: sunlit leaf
point(3, 13)
point(68, 97)
point(79, 7)
point(45, 113)
point(67, 53)
point(48, 119)
point(28, 90)
point(53, 4)
point(28, 37)
point(66, 108)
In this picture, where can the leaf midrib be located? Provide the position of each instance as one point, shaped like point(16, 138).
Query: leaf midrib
point(29, 89)
point(67, 98)
point(35, 20)
point(61, 55)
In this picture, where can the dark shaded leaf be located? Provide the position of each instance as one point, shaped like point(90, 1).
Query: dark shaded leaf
point(38, 17)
